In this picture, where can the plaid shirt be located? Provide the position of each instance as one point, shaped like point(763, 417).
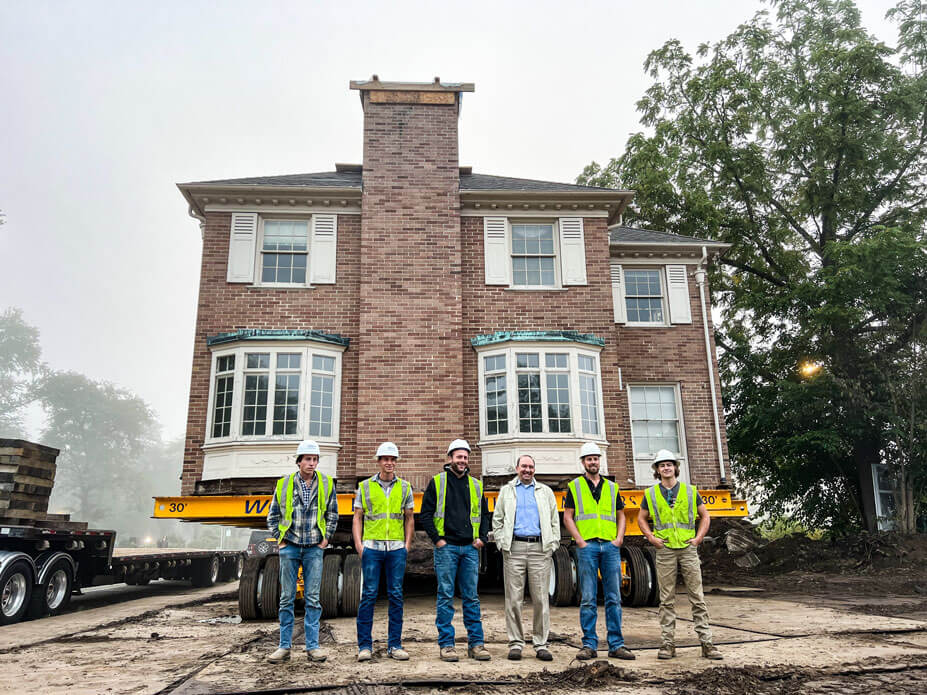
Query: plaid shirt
point(305, 528)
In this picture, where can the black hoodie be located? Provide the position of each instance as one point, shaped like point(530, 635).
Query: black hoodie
point(457, 527)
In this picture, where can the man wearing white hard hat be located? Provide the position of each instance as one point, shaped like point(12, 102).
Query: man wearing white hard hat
point(593, 513)
point(303, 516)
point(674, 507)
point(456, 518)
point(383, 528)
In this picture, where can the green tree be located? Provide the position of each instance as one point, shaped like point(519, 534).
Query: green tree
point(800, 139)
point(21, 369)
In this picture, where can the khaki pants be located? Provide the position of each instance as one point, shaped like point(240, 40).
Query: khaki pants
point(687, 562)
point(526, 559)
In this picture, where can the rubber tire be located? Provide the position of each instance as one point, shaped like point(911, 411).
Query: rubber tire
point(38, 604)
point(651, 554)
point(353, 582)
point(562, 574)
point(638, 591)
point(17, 567)
point(205, 571)
point(232, 568)
point(248, 607)
point(329, 594)
point(270, 588)
point(578, 589)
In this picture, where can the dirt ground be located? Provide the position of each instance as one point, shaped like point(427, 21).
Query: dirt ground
point(776, 639)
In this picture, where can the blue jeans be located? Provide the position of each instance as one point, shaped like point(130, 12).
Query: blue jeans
point(600, 556)
point(291, 557)
point(372, 563)
point(458, 563)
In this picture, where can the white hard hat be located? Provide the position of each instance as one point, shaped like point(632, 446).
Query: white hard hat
point(458, 444)
point(664, 455)
point(590, 449)
point(388, 449)
point(307, 447)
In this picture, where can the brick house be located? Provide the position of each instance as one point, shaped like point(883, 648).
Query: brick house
point(410, 299)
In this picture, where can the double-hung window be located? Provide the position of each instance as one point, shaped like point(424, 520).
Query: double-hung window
point(284, 251)
point(223, 388)
point(533, 255)
point(655, 420)
point(644, 296)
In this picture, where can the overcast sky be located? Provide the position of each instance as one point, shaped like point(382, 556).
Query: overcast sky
point(106, 105)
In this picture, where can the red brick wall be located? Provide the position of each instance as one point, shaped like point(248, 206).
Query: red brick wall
point(410, 360)
point(225, 307)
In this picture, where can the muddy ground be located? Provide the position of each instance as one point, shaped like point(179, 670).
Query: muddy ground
point(837, 637)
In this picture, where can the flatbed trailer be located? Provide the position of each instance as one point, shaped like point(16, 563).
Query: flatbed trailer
point(42, 566)
point(259, 589)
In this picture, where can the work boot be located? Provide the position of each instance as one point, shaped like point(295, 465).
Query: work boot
point(544, 654)
point(399, 654)
point(479, 652)
point(316, 655)
point(448, 654)
point(667, 651)
point(586, 653)
point(622, 653)
point(710, 651)
point(514, 654)
point(279, 656)
point(364, 655)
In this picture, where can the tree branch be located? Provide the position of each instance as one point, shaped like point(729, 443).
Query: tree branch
point(754, 271)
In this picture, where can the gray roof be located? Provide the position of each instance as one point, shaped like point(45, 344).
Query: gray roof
point(352, 179)
point(631, 235)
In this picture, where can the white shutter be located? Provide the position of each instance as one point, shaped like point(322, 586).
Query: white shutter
point(496, 254)
point(677, 284)
point(618, 293)
point(242, 240)
point(572, 251)
point(323, 249)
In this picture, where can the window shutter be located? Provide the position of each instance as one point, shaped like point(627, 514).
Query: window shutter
point(498, 260)
point(677, 284)
point(241, 247)
point(572, 251)
point(322, 250)
point(618, 293)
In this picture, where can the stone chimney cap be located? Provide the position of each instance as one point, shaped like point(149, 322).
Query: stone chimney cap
point(436, 86)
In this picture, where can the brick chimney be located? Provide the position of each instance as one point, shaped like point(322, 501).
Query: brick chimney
point(410, 346)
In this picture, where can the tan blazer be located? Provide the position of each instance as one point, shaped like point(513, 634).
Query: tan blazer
point(503, 517)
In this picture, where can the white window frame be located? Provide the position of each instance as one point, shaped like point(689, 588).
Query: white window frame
point(647, 457)
point(259, 250)
point(306, 350)
point(510, 350)
point(555, 226)
point(664, 296)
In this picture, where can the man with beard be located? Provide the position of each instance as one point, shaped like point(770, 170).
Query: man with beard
point(593, 514)
point(455, 516)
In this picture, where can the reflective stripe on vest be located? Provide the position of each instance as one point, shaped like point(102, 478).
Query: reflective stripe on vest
point(476, 496)
point(676, 524)
point(287, 485)
point(595, 519)
point(383, 517)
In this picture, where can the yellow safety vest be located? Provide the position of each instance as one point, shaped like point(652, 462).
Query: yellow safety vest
point(383, 517)
point(286, 488)
point(476, 497)
point(595, 519)
point(676, 524)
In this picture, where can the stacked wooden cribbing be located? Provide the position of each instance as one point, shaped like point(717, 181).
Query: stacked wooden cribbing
point(27, 474)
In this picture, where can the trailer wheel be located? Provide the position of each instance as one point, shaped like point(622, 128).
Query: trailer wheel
point(205, 572)
point(353, 584)
point(15, 591)
point(54, 593)
point(562, 578)
point(636, 590)
point(651, 554)
point(577, 587)
point(332, 585)
point(270, 588)
point(248, 607)
point(232, 568)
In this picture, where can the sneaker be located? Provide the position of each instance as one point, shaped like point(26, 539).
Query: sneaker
point(710, 651)
point(279, 656)
point(622, 653)
point(364, 655)
point(479, 653)
point(399, 654)
point(587, 653)
point(448, 654)
point(667, 651)
point(316, 655)
point(544, 655)
point(514, 654)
